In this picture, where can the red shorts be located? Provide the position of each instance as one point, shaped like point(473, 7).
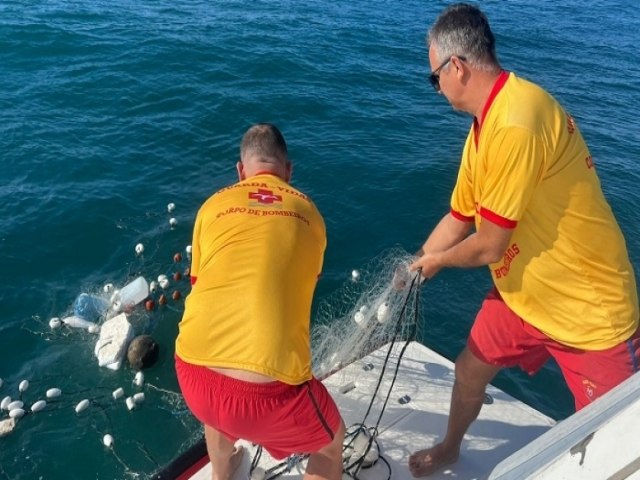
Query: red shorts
point(284, 419)
point(500, 337)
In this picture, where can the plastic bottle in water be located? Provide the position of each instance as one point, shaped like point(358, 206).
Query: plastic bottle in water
point(90, 307)
point(131, 294)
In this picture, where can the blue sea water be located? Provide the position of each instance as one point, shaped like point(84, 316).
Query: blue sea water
point(110, 110)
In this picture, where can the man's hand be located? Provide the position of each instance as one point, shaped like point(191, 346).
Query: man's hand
point(428, 264)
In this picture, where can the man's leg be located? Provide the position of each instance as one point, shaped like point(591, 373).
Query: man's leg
point(225, 458)
point(326, 463)
point(467, 397)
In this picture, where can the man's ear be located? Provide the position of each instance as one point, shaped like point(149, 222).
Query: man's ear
point(240, 169)
point(288, 171)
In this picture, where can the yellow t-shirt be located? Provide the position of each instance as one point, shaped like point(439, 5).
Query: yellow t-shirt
point(257, 251)
point(567, 270)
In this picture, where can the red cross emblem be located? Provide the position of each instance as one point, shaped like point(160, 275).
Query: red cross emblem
point(265, 196)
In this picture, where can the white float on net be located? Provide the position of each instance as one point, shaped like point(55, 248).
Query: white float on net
point(107, 440)
point(24, 385)
point(39, 405)
point(53, 393)
point(82, 405)
point(139, 249)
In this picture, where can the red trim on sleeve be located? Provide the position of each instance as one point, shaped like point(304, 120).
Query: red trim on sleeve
point(461, 217)
point(193, 280)
point(497, 219)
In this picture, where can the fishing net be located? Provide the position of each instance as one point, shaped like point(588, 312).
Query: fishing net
point(364, 313)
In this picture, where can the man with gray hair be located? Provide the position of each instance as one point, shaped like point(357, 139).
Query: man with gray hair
point(528, 204)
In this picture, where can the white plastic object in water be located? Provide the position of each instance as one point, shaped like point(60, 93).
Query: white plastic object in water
point(133, 292)
point(164, 283)
point(4, 405)
point(383, 312)
point(153, 286)
point(188, 249)
point(15, 404)
point(6, 426)
point(131, 404)
point(16, 413)
point(115, 336)
point(94, 328)
point(171, 207)
point(24, 385)
point(82, 405)
point(139, 249)
point(117, 393)
point(108, 288)
point(107, 440)
point(77, 322)
point(39, 405)
point(54, 393)
point(139, 379)
point(355, 275)
point(173, 222)
point(358, 317)
point(54, 323)
point(138, 397)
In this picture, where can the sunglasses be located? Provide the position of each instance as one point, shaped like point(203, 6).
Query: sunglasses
point(434, 78)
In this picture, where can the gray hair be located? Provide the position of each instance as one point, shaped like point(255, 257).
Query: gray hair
point(463, 30)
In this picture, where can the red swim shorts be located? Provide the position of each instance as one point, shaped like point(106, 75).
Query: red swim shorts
point(284, 419)
point(500, 337)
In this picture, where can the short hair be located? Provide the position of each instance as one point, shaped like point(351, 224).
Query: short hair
point(463, 30)
point(266, 141)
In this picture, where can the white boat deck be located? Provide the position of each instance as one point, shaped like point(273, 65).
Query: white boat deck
point(425, 379)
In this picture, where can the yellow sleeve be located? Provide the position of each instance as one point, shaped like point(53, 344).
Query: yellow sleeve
point(515, 162)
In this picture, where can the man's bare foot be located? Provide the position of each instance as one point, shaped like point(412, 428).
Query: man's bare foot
point(235, 460)
point(424, 462)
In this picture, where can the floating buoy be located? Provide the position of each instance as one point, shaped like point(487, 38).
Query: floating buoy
point(16, 413)
point(188, 249)
point(177, 258)
point(139, 379)
point(108, 288)
point(94, 329)
point(6, 426)
point(24, 385)
point(171, 207)
point(187, 272)
point(142, 352)
point(82, 405)
point(173, 222)
point(355, 275)
point(138, 398)
point(149, 305)
point(139, 249)
point(15, 404)
point(117, 393)
point(383, 312)
point(130, 403)
point(153, 286)
point(162, 300)
point(164, 283)
point(177, 276)
point(4, 405)
point(39, 405)
point(54, 393)
point(54, 323)
point(176, 295)
point(358, 317)
point(107, 440)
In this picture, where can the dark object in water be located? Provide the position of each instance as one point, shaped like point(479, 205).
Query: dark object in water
point(143, 352)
